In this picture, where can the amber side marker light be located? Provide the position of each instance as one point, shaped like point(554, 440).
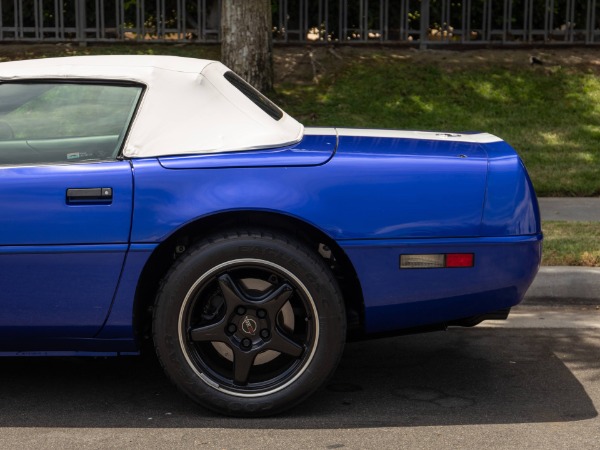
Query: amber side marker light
point(437, 261)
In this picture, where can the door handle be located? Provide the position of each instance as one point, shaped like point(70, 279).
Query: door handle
point(89, 195)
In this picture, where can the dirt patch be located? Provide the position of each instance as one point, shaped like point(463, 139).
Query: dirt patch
point(310, 64)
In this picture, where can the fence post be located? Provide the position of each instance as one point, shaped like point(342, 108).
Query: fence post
point(80, 22)
point(424, 24)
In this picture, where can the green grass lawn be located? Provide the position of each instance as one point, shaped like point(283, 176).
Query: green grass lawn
point(571, 244)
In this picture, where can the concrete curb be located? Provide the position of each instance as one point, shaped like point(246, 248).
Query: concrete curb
point(565, 285)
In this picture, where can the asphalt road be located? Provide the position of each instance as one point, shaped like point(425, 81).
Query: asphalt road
point(531, 382)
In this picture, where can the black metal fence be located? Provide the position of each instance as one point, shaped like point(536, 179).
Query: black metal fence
point(416, 22)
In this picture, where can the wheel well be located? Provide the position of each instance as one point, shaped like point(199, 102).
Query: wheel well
point(167, 252)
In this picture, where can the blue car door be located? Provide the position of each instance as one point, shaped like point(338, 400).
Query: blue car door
point(63, 233)
point(65, 207)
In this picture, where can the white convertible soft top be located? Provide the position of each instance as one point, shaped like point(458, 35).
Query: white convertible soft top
point(188, 105)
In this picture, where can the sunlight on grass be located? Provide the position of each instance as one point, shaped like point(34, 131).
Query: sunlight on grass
point(423, 105)
point(489, 91)
point(592, 130)
point(551, 137)
point(586, 157)
point(571, 243)
point(591, 92)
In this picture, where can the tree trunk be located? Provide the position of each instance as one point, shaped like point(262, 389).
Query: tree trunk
point(246, 41)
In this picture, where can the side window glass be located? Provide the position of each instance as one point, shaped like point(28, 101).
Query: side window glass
point(61, 123)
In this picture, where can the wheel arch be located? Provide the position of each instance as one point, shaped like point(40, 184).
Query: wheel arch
point(167, 252)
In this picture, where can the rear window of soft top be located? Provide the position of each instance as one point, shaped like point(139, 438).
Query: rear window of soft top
point(255, 96)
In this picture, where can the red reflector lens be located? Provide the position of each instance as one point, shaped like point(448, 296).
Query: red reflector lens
point(459, 260)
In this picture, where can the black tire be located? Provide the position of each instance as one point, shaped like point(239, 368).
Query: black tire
point(249, 323)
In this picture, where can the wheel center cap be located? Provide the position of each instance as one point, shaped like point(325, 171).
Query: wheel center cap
point(249, 325)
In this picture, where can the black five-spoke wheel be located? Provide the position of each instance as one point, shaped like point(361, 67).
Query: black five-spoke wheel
point(241, 318)
point(247, 315)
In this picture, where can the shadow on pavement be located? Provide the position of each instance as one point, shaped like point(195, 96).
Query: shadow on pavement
point(461, 377)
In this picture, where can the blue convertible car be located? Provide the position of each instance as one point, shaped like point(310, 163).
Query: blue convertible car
point(164, 198)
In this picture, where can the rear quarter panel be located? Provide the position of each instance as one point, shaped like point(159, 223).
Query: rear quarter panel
point(379, 189)
point(378, 198)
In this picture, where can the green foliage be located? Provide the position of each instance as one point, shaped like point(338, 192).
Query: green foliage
point(538, 12)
